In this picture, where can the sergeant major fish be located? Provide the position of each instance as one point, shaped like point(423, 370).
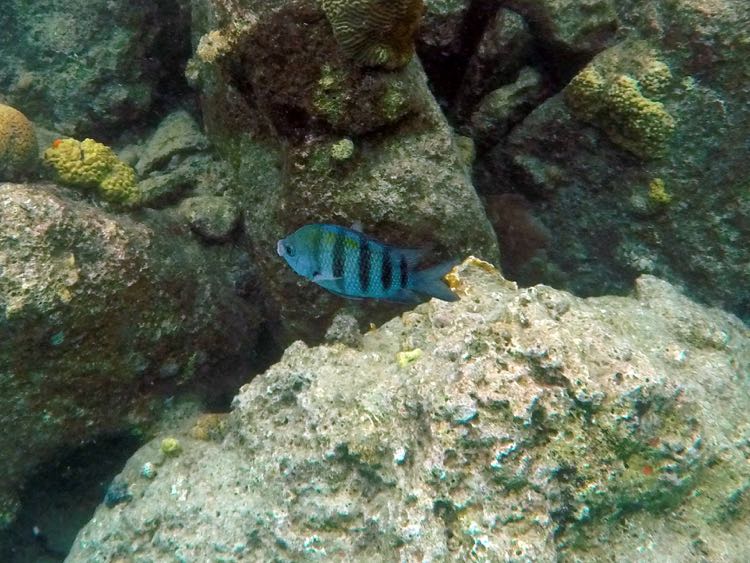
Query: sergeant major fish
point(351, 264)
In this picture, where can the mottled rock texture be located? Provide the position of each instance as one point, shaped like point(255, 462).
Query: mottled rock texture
point(101, 317)
point(91, 67)
point(533, 425)
point(651, 177)
point(278, 112)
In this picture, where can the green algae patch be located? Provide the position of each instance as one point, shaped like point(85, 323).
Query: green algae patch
point(330, 94)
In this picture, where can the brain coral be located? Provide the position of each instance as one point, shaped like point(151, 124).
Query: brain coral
point(91, 165)
point(375, 32)
point(18, 147)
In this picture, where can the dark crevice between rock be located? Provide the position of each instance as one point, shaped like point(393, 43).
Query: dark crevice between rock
point(60, 497)
point(446, 71)
point(165, 61)
point(266, 353)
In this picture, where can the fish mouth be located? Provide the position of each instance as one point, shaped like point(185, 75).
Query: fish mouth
point(280, 248)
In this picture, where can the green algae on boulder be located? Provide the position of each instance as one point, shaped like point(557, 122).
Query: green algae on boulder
point(531, 425)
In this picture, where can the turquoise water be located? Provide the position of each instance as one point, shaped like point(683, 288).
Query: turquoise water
point(152, 155)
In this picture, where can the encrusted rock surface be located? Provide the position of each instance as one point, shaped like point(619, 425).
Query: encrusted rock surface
point(90, 67)
point(177, 135)
point(651, 177)
point(512, 425)
point(101, 317)
point(282, 131)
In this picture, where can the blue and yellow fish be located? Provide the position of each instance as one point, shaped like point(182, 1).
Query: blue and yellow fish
point(351, 264)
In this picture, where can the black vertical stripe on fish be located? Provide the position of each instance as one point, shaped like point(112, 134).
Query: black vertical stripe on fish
point(317, 250)
point(404, 271)
point(386, 270)
point(365, 256)
point(338, 255)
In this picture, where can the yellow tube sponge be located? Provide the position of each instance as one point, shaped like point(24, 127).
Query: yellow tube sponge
point(94, 166)
point(18, 146)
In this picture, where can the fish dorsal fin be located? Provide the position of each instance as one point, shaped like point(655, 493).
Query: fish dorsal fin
point(357, 226)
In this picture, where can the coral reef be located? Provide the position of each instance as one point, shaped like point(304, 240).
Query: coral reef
point(375, 32)
point(93, 166)
point(342, 150)
point(18, 145)
point(170, 447)
point(210, 426)
point(533, 425)
point(618, 106)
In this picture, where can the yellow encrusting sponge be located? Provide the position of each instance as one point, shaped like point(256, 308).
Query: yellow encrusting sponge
point(94, 166)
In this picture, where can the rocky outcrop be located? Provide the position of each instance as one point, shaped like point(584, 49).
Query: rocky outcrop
point(639, 165)
point(515, 424)
point(101, 317)
point(280, 111)
point(91, 68)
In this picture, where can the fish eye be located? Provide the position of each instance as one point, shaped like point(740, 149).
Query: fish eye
point(289, 250)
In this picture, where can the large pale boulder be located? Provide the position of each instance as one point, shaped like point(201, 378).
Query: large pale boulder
point(515, 424)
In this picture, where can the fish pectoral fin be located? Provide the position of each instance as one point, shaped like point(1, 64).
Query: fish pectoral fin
point(318, 277)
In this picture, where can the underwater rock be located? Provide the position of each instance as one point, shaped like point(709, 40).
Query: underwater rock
point(18, 145)
point(91, 68)
point(214, 218)
point(92, 305)
point(503, 108)
point(280, 123)
point(344, 329)
point(503, 50)
point(440, 34)
point(200, 174)
point(589, 159)
point(532, 425)
point(177, 135)
point(573, 26)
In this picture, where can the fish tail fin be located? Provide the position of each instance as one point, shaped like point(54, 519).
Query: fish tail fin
point(430, 281)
